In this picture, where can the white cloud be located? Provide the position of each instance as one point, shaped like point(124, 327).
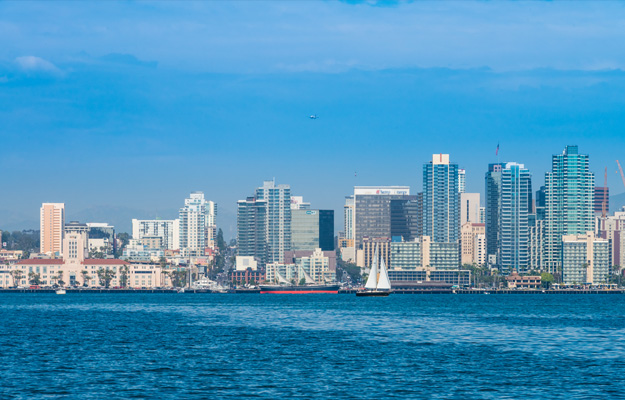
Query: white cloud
point(37, 64)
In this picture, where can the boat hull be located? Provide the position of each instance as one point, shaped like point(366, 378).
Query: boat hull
point(372, 293)
point(313, 289)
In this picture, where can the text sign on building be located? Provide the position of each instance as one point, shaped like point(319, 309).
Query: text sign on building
point(383, 190)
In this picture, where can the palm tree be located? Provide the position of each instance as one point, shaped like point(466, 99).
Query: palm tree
point(34, 278)
point(17, 276)
point(85, 278)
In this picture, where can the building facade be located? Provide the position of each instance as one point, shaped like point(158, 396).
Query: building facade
point(441, 200)
point(51, 227)
point(472, 243)
point(167, 230)
point(251, 229)
point(569, 191)
point(311, 229)
point(278, 219)
point(372, 210)
point(192, 225)
point(585, 259)
point(469, 208)
point(493, 189)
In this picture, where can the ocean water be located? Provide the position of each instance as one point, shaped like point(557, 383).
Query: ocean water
point(192, 346)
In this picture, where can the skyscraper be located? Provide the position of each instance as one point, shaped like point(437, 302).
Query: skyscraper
point(51, 227)
point(493, 184)
point(278, 223)
point(441, 214)
point(312, 229)
point(514, 207)
point(406, 215)
point(167, 230)
point(569, 202)
point(372, 210)
point(251, 229)
point(193, 223)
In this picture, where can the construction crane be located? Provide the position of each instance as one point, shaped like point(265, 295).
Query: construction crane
point(604, 205)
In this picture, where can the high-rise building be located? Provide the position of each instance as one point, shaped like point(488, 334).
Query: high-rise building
point(372, 210)
point(193, 224)
point(406, 215)
point(348, 217)
point(613, 228)
point(462, 179)
point(493, 188)
point(441, 200)
point(251, 229)
point(51, 227)
point(469, 208)
point(482, 215)
point(541, 203)
point(585, 259)
point(569, 202)
point(312, 229)
point(278, 224)
point(536, 242)
point(600, 194)
point(514, 207)
point(211, 223)
point(167, 230)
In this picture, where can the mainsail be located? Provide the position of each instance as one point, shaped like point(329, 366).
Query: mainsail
point(372, 281)
point(280, 278)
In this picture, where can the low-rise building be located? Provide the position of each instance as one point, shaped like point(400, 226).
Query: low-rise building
point(586, 259)
point(525, 282)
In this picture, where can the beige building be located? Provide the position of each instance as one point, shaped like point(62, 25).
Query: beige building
point(384, 248)
point(473, 243)
point(51, 226)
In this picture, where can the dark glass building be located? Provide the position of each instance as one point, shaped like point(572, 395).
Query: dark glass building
point(406, 217)
point(312, 229)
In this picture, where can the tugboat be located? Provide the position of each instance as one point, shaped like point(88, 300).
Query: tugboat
point(377, 284)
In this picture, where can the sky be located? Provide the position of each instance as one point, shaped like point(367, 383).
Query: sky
point(121, 109)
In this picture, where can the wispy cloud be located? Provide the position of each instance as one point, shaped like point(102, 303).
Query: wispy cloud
point(37, 64)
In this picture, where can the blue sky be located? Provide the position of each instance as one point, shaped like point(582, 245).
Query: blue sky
point(120, 109)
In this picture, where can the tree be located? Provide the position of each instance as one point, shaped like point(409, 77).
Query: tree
point(17, 276)
point(59, 279)
point(163, 262)
point(302, 282)
point(221, 243)
point(123, 276)
point(546, 280)
point(178, 278)
point(85, 278)
point(105, 276)
point(124, 238)
point(34, 278)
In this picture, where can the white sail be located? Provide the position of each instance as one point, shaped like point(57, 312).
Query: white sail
point(280, 278)
point(307, 277)
point(372, 281)
point(383, 282)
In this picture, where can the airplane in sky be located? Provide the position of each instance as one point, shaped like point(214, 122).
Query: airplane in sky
point(314, 116)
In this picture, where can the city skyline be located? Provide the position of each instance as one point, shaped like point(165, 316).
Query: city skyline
point(125, 119)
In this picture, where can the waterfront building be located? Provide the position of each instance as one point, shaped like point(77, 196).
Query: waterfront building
point(515, 204)
point(441, 200)
point(311, 229)
point(167, 230)
point(423, 253)
point(407, 278)
point(369, 245)
point(145, 249)
point(472, 243)
point(251, 231)
point(493, 190)
point(585, 259)
point(515, 280)
point(75, 242)
point(192, 225)
point(51, 226)
point(599, 194)
point(469, 208)
point(278, 219)
point(569, 191)
point(247, 271)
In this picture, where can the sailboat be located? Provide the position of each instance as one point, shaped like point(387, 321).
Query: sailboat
point(310, 287)
point(377, 284)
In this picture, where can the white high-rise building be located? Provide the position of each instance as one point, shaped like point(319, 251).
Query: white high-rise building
point(298, 203)
point(167, 230)
point(278, 219)
point(193, 223)
point(462, 179)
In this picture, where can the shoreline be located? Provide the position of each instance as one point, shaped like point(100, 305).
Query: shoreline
point(342, 291)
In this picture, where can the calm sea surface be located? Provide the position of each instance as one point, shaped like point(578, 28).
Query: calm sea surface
point(96, 346)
